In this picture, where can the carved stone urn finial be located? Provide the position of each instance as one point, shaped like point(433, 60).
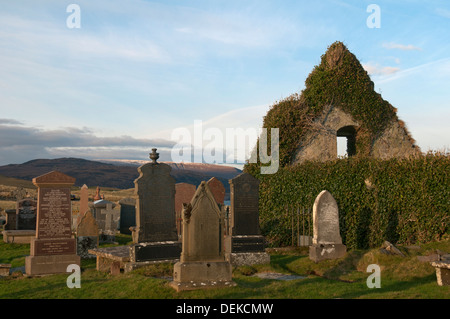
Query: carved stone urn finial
point(154, 156)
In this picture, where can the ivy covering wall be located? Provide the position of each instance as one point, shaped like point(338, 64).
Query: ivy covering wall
point(400, 200)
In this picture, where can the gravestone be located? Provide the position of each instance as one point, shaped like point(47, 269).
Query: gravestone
point(53, 249)
point(217, 189)
point(87, 235)
point(245, 245)
point(202, 263)
point(26, 214)
point(155, 235)
point(107, 219)
point(183, 195)
point(127, 215)
point(327, 241)
point(84, 203)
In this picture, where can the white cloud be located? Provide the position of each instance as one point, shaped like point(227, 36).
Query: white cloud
point(376, 69)
point(393, 45)
point(20, 143)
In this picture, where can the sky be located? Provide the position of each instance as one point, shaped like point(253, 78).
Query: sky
point(113, 79)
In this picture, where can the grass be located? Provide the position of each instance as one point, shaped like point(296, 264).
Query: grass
point(401, 278)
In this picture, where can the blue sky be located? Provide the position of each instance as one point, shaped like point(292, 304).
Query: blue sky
point(137, 70)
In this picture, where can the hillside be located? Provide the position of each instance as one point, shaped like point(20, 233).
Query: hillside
point(93, 173)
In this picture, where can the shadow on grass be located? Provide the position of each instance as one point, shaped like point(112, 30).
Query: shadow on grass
point(281, 262)
point(390, 287)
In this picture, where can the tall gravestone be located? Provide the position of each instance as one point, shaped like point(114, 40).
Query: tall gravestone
point(202, 263)
point(327, 241)
point(155, 235)
point(53, 249)
point(87, 235)
point(127, 215)
point(245, 244)
point(183, 195)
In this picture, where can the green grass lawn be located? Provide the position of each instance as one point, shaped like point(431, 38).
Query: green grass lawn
point(401, 277)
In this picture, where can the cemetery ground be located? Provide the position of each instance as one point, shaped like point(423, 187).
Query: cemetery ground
point(401, 278)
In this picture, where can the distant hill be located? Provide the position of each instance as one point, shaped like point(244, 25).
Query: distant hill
point(118, 175)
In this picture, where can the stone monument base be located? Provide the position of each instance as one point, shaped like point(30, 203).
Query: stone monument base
point(319, 252)
point(200, 275)
point(152, 251)
point(442, 272)
point(52, 264)
point(251, 258)
point(244, 244)
point(18, 236)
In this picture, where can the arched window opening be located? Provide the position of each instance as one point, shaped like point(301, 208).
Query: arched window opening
point(346, 141)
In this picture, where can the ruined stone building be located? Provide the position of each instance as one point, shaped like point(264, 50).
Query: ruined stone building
point(339, 100)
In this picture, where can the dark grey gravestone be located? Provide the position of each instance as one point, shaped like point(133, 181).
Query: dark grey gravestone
point(127, 215)
point(155, 235)
point(155, 205)
point(244, 190)
point(245, 245)
point(26, 214)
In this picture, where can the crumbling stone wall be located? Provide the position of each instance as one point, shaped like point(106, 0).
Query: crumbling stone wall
point(320, 143)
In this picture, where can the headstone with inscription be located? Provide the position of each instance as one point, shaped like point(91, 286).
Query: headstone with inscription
point(53, 249)
point(127, 215)
point(327, 241)
point(183, 195)
point(202, 263)
point(245, 245)
point(87, 235)
point(155, 234)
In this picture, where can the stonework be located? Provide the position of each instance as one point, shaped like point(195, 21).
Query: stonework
point(183, 195)
point(244, 244)
point(394, 142)
point(155, 204)
point(320, 142)
point(127, 215)
point(107, 219)
point(26, 214)
point(87, 235)
point(155, 236)
point(327, 241)
point(84, 203)
point(217, 189)
point(202, 262)
point(53, 249)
